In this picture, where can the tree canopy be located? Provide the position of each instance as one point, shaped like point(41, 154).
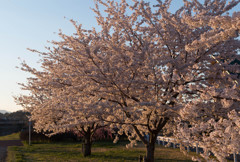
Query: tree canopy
point(146, 69)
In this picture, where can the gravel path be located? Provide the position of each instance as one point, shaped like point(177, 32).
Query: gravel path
point(4, 145)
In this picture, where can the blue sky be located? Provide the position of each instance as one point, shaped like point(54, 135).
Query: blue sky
point(30, 24)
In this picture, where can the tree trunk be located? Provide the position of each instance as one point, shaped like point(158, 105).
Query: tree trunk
point(150, 151)
point(87, 145)
point(150, 143)
point(86, 149)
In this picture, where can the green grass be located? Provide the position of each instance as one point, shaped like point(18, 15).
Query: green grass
point(101, 151)
point(14, 136)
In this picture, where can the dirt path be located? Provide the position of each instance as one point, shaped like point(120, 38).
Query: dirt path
point(4, 145)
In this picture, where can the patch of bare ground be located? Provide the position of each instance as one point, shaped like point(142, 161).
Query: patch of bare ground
point(4, 145)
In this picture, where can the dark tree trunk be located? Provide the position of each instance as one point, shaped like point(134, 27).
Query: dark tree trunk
point(150, 152)
point(87, 144)
point(151, 148)
point(150, 144)
point(87, 149)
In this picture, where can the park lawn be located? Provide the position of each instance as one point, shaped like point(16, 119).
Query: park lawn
point(101, 151)
point(14, 136)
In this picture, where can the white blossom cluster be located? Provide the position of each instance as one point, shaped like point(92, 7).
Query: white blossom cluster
point(216, 131)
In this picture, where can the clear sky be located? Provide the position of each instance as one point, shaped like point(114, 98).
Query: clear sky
point(30, 24)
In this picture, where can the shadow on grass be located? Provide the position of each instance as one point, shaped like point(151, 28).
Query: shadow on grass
point(172, 160)
point(109, 144)
point(111, 157)
point(124, 158)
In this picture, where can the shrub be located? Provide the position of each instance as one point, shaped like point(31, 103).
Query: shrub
point(35, 137)
point(41, 137)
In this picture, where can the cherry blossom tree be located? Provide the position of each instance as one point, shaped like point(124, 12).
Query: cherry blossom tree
point(212, 125)
point(56, 106)
point(147, 64)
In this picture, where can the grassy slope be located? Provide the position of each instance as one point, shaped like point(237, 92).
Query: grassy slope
point(101, 151)
point(14, 136)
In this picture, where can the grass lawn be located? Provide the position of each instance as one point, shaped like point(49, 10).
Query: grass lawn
point(101, 151)
point(14, 136)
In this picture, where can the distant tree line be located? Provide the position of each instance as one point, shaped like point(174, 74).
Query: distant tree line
point(18, 115)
